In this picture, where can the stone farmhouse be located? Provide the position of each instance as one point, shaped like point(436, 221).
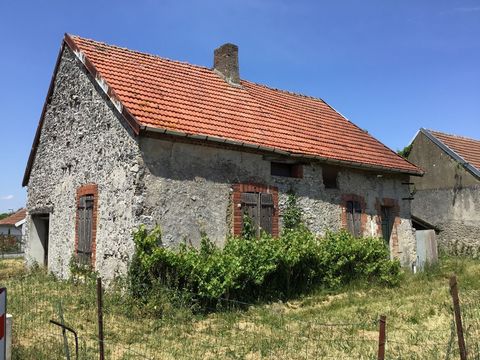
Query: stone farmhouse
point(126, 138)
point(448, 196)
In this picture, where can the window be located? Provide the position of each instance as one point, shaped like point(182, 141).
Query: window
point(387, 222)
point(260, 202)
point(85, 229)
point(354, 216)
point(330, 176)
point(259, 207)
point(286, 170)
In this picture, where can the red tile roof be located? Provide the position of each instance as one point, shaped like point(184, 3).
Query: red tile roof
point(167, 95)
point(14, 218)
point(466, 148)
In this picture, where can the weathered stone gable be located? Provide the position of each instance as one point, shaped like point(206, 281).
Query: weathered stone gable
point(83, 141)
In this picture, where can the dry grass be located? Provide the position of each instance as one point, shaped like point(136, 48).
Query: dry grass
point(323, 324)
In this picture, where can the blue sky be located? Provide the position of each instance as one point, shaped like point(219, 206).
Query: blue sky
point(389, 66)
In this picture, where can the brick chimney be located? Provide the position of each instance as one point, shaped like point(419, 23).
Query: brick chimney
point(225, 62)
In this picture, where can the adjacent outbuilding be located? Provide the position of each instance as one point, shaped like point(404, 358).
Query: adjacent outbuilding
point(447, 197)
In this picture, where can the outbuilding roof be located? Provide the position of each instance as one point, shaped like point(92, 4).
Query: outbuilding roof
point(180, 99)
point(463, 149)
point(14, 218)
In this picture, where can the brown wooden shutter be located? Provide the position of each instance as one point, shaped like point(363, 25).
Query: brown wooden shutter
point(354, 218)
point(266, 212)
point(259, 207)
point(357, 219)
point(85, 215)
point(350, 221)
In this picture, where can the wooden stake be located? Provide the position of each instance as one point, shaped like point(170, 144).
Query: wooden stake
point(100, 319)
point(382, 337)
point(458, 317)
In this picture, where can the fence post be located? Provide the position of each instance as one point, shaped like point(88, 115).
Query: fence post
point(458, 317)
point(382, 337)
point(100, 319)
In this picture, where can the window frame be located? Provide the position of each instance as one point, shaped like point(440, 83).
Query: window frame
point(361, 218)
point(288, 170)
point(90, 192)
point(238, 206)
point(328, 172)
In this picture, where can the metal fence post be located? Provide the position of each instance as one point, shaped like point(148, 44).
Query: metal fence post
point(458, 317)
point(382, 337)
point(100, 319)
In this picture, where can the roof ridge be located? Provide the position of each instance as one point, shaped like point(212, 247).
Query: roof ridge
point(197, 66)
point(454, 135)
point(140, 52)
point(286, 91)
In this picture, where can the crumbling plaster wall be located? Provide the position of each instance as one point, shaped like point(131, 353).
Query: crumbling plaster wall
point(84, 141)
point(455, 212)
point(188, 192)
point(447, 196)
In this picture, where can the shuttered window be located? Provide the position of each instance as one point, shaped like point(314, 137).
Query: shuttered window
point(387, 222)
point(259, 207)
point(354, 217)
point(85, 227)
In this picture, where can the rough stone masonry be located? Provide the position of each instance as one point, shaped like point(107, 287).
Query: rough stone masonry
point(186, 188)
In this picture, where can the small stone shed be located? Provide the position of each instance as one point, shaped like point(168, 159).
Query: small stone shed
point(448, 196)
point(127, 138)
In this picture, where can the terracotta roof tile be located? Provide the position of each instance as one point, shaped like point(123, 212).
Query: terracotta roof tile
point(177, 96)
point(14, 218)
point(467, 148)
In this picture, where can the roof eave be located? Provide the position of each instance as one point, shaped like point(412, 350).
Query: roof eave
point(36, 139)
point(101, 82)
point(220, 140)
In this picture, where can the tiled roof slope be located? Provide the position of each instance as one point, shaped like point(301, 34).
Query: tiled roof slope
point(466, 148)
point(177, 96)
point(14, 218)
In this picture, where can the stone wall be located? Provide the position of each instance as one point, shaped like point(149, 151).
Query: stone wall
point(455, 212)
point(83, 141)
point(188, 192)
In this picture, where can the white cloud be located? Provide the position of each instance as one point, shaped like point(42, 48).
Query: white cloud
point(7, 197)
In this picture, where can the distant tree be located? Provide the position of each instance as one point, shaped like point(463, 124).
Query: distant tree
point(3, 215)
point(405, 151)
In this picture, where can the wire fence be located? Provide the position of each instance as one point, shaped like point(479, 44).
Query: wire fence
point(56, 319)
point(10, 244)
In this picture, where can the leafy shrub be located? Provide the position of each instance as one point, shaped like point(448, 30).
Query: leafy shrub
point(254, 268)
point(292, 215)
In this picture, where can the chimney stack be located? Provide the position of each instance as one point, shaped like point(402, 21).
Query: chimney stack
point(225, 62)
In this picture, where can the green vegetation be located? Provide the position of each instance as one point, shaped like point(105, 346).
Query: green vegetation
point(259, 268)
point(418, 311)
point(405, 151)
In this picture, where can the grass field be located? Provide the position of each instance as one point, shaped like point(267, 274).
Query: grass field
point(323, 324)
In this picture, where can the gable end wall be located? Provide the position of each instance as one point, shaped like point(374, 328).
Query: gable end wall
point(447, 196)
point(84, 141)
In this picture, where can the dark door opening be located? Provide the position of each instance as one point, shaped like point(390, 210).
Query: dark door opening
point(39, 238)
point(387, 222)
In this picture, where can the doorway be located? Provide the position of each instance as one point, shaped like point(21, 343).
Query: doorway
point(39, 238)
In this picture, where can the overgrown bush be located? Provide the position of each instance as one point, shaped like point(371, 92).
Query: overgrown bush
point(258, 268)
